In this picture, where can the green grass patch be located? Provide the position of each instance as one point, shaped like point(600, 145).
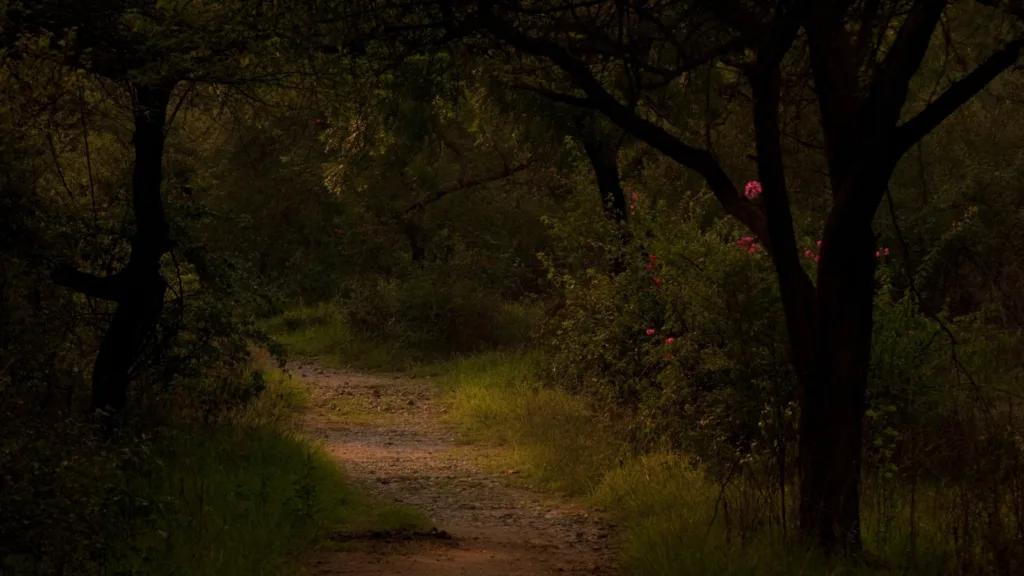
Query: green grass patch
point(402, 344)
point(249, 496)
point(663, 504)
point(322, 332)
point(551, 437)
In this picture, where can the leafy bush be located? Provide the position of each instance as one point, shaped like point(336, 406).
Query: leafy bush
point(679, 334)
point(241, 495)
point(687, 337)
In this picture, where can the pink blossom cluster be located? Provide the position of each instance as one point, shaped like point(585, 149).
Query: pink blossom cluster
point(656, 281)
point(669, 340)
point(752, 189)
point(882, 252)
point(749, 244)
point(812, 255)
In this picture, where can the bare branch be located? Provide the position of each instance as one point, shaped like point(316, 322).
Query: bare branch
point(454, 146)
point(890, 88)
point(954, 97)
point(105, 288)
point(556, 96)
point(699, 160)
point(450, 187)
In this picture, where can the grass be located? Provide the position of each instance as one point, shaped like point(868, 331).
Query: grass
point(662, 504)
point(321, 332)
point(667, 509)
point(551, 437)
point(250, 496)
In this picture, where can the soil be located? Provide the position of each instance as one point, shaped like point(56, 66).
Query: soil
point(386, 430)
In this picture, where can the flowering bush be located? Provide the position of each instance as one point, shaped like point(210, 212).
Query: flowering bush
point(690, 342)
point(687, 338)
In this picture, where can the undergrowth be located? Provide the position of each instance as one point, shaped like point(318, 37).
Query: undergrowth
point(322, 332)
point(328, 332)
point(249, 496)
point(246, 494)
point(674, 518)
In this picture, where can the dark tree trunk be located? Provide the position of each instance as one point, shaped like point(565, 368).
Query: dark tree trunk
point(833, 396)
point(140, 295)
point(416, 236)
point(830, 335)
point(603, 153)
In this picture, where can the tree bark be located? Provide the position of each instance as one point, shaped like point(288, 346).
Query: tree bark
point(603, 153)
point(602, 150)
point(833, 396)
point(141, 298)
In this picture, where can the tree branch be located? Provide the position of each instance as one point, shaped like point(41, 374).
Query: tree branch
point(913, 130)
point(452, 145)
point(461, 184)
point(557, 96)
point(890, 88)
point(696, 159)
point(105, 288)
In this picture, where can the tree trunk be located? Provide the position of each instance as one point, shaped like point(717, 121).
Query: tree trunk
point(417, 237)
point(604, 159)
point(833, 393)
point(603, 152)
point(141, 296)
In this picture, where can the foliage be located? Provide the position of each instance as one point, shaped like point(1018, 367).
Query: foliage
point(691, 327)
point(684, 346)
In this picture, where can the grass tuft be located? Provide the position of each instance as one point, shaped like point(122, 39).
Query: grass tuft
point(662, 503)
point(322, 332)
point(250, 496)
point(552, 437)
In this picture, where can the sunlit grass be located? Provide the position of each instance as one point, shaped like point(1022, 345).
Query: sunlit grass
point(322, 332)
point(662, 503)
point(250, 496)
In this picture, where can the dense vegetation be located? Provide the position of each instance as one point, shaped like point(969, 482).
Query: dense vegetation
point(744, 273)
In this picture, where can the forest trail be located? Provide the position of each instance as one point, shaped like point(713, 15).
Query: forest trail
point(386, 430)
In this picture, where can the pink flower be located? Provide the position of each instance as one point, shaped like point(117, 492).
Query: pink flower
point(819, 243)
point(752, 189)
point(669, 340)
point(652, 258)
point(877, 253)
point(748, 243)
point(648, 267)
point(809, 254)
point(635, 197)
point(632, 206)
point(668, 356)
point(650, 331)
point(817, 257)
point(886, 251)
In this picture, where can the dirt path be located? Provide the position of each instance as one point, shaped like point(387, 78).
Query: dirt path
point(386, 431)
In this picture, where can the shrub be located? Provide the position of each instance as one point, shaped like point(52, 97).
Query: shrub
point(679, 333)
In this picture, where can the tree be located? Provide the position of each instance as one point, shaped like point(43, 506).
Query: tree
point(150, 48)
point(860, 57)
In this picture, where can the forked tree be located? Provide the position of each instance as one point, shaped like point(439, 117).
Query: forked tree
point(861, 56)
